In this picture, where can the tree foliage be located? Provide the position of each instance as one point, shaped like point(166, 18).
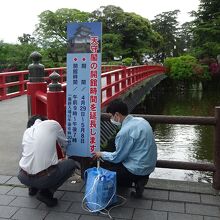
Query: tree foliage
point(166, 25)
point(186, 68)
point(51, 31)
point(207, 29)
point(15, 56)
point(135, 34)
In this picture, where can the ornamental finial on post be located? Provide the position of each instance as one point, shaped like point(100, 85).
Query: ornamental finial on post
point(55, 86)
point(36, 69)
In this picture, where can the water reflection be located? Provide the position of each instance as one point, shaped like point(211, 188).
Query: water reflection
point(192, 143)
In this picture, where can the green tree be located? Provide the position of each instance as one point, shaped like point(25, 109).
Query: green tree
point(186, 37)
point(15, 56)
point(166, 25)
point(51, 31)
point(26, 39)
point(135, 34)
point(111, 46)
point(207, 29)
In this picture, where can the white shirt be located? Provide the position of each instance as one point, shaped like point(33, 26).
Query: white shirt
point(39, 145)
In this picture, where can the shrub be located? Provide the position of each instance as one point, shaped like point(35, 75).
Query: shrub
point(127, 61)
point(186, 68)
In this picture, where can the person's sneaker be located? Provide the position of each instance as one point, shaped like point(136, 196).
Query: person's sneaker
point(47, 199)
point(32, 191)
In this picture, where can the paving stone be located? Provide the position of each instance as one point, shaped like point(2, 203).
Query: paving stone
point(203, 210)
point(19, 191)
point(61, 216)
point(59, 194)
point(121, 212)
point(72, 196)
point(210, 199)
point(168, 206)
point(143, 214)
point(155, 194)
point(138, 203)
point(5, 189)
point(76, 207)
point(62, 206)
point(4, 179)
point(90, 217)
point(124, 191)
point(119, 219)
point(184, 197)
point(211, 218)
point(14, 181)
point(7, 211)
point(180, 216)
point(183, 186)
point(25, 202)
point(27, 214)
point(68, 186)
point(5, 199)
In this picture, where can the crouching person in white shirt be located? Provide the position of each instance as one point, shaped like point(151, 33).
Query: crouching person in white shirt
point(40, 169)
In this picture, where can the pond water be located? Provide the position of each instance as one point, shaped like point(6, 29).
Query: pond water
point(192, 143)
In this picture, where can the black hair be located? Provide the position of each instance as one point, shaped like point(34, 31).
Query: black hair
point(117, 105)
point(33, 118)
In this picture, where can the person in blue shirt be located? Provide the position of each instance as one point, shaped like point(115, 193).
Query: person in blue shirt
point(135, 155)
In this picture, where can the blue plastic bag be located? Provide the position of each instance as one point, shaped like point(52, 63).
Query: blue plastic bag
point(100, 189)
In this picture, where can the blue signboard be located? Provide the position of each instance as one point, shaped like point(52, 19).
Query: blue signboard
point(83, 95)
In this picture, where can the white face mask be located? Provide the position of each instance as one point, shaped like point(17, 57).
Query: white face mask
point(117, 123)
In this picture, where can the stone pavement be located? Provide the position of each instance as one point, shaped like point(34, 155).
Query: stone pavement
point(163, 200)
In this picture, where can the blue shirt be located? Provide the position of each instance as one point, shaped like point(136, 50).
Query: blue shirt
point(135, 147)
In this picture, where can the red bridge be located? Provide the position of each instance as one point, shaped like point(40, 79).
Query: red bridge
point(46, 96)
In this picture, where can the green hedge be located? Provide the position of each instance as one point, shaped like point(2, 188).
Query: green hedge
point(186, 68)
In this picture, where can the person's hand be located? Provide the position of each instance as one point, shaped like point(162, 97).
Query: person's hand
point(96, 155)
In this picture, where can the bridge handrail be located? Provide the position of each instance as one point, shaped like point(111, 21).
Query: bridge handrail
point(17, 86)
point(120, 81)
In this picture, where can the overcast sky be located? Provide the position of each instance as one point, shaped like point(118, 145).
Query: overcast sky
point(21, 16)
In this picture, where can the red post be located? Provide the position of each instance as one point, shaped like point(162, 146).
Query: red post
point(3, 92)
point(21, 85)
point(108, 81)
point(36, 83)
point(123, 84)
point(116, 80)
point(216, 176)
point(41, 103)
point(55, 104)
point(133, 76)
point(129, 79)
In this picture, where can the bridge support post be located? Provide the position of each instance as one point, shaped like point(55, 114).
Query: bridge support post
point(123, 83)
point(36, 83)
point(55, 104)
point(3, 91)
point(56, 100)
point(216, 177)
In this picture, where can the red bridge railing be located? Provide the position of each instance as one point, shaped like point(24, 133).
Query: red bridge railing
point(13, 84)
point(51, 103)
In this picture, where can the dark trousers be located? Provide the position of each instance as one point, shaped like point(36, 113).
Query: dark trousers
point(54, 178)
point(124, 177)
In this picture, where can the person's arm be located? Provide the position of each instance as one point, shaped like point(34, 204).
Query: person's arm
point(124, 144)
point(61, 137)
